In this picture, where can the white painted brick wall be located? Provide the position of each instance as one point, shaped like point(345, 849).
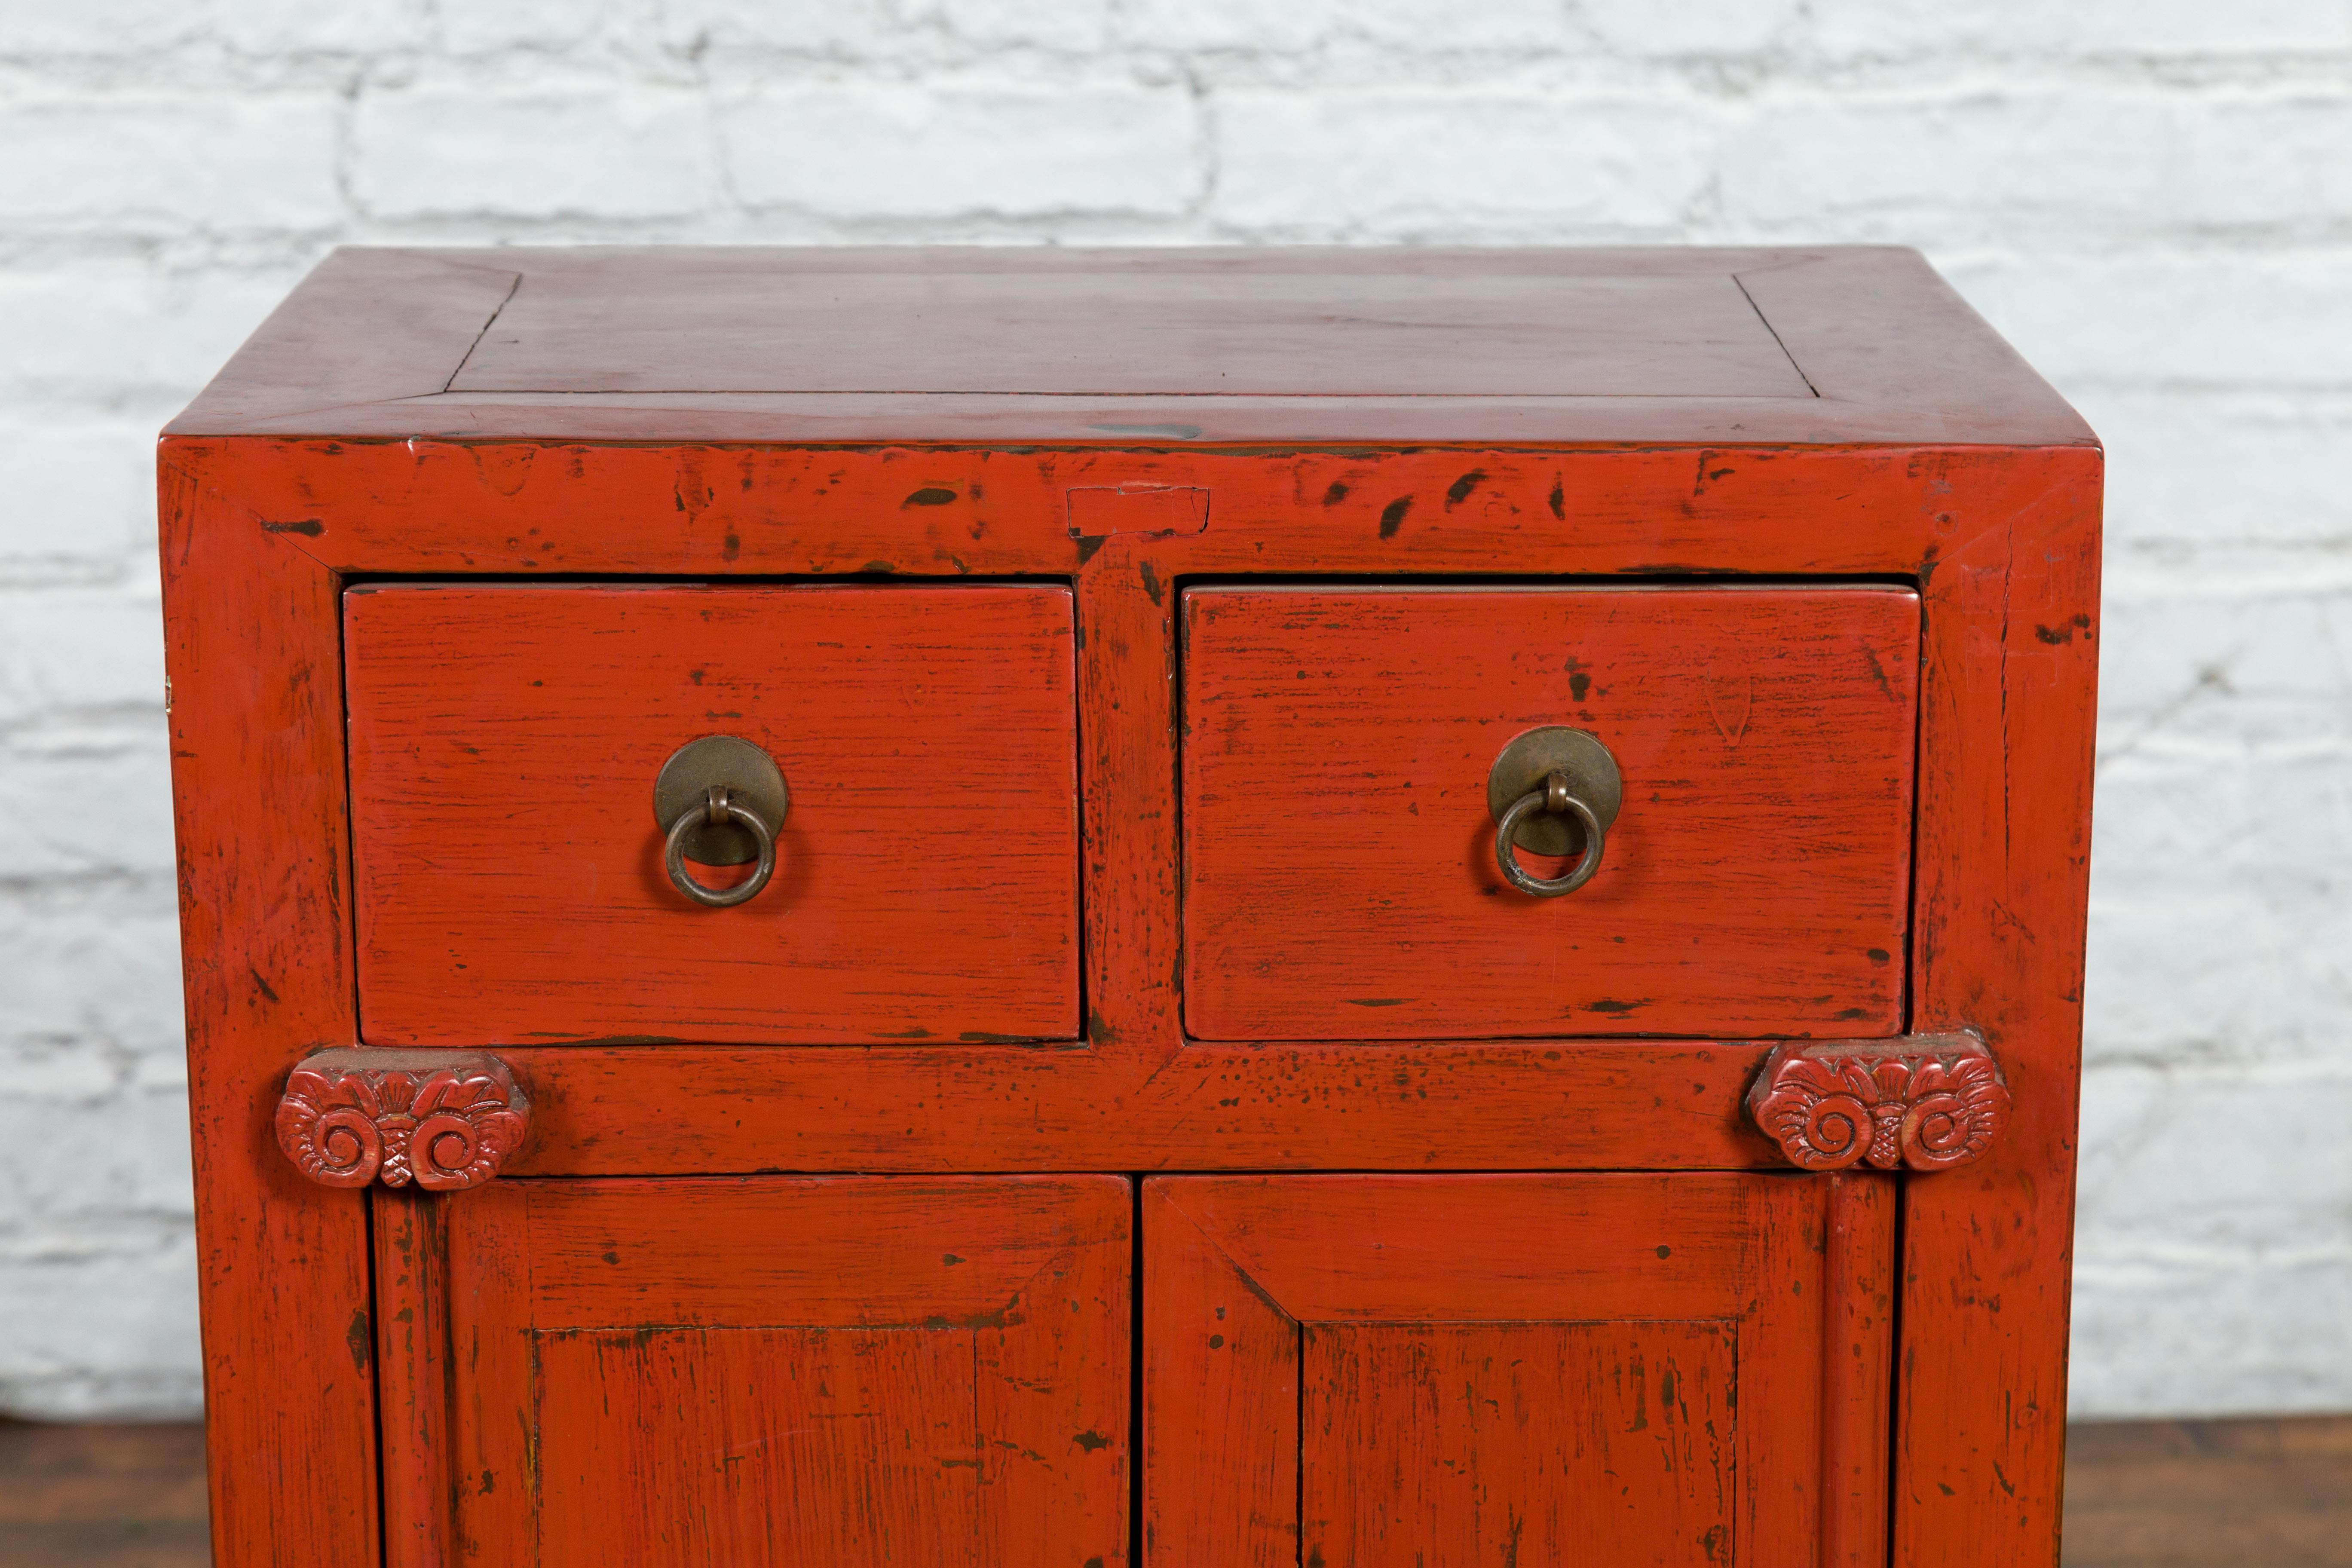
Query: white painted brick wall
point(2153, 197)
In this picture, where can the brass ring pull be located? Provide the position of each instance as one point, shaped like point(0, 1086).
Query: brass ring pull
point(719, 807)
point(1556, 796)
point(1554, 791)
point(722, 800)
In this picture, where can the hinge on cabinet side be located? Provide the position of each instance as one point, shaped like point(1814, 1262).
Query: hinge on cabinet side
point(1928, 1102)
point(443, 1120)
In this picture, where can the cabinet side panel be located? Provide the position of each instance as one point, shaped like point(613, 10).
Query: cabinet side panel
point(2006, 726)
point(255, 720)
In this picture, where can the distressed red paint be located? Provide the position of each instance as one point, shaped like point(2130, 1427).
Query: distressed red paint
point(1610, 441)
point(1929, 1103)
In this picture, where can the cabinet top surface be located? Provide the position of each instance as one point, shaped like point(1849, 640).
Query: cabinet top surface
point(1173, 347)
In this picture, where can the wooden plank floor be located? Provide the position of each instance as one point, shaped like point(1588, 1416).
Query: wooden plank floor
point(101, 1497)
point(2158, 1494)
point(2189, 1494)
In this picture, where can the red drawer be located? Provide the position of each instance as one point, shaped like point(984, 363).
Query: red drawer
point(504, 745)
point(1340, 874)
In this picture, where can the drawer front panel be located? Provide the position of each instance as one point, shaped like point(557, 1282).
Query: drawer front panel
point(511, 887)
point(1340, 878)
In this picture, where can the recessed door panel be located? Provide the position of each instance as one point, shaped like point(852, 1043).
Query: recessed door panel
point(1518, 1443)
point(837, 1370)
point(1614, 1370)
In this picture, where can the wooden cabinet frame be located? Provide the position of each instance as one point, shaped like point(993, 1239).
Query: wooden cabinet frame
point(1984, 494)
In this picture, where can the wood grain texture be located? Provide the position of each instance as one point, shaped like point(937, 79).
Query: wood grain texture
point(1583, 1105)
point(1499, 1369)
point(1221, 1401)
point(1601, 1442)
point(892, 1370)
point(1857, 1370)
point(2004, 859)
point(1339, 864)
point(746, 326)
point(366, 325)
point(780, 1446)
point(1486, 346)
point(505, 742)
point(1998, 529)
point(257, 695)
point(2274, 1492)
point(2148, 1494)
point(415, 1375)
point(378, 508)
point(102, 1496)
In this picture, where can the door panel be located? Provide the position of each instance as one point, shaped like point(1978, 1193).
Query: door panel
point(765, 1370)
point(1339, 871)
point(1686, 1369)
point(1476, 1443)
point(859, 1440)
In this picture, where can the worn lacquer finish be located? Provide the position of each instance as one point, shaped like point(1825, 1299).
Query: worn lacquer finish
point(504, 743)
point(1857, 1296)
point(2003, 857)
point(1512, 1442)
point(1613, 1369)
point(333, 456)
point(1928, 1102)
point(443, 1120)
point(417, 1376)
point(928, 1369)
point(1017, 345)
point(256, 693)
point(1336, 750)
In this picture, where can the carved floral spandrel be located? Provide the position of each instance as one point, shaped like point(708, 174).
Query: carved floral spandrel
point(1927, 1102)
point(443, 1120)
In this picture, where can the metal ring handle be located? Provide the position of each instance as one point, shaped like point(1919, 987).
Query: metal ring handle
point(1556, 795)
point(716, 807)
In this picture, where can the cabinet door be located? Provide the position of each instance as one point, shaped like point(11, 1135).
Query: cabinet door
point(1603, 1370)
point(846, 1370)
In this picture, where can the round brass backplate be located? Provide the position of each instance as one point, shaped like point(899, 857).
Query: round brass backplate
point(1534, 757)
point(748, 773)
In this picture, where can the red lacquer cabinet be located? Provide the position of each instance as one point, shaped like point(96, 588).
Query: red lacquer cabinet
point(1062, 908)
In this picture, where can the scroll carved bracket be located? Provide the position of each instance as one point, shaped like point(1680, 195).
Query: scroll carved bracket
point(445, 1121)
point(1926, 1101)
